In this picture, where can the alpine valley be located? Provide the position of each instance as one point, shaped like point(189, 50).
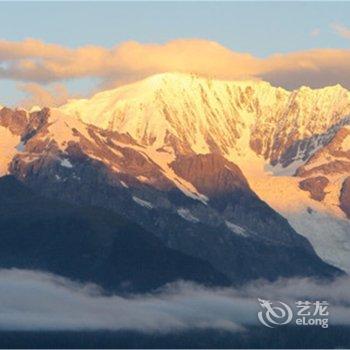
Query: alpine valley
point(179, 177)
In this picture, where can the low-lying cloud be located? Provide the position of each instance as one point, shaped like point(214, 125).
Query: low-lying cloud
point(34, 300)
point(35, 61)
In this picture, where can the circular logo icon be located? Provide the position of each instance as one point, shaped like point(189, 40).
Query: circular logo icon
point(274, 313)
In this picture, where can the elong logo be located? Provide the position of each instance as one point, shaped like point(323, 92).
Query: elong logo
point(274, 314)
point(278, 313)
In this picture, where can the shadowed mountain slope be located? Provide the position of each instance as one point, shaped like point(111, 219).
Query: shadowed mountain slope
point(88, 244)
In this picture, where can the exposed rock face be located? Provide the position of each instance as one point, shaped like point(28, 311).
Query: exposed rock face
point(22, 123)
point(316, 186)
point(211, 174)
point(325, 172)
point(16, 121)
point(333, 158)
point(345, 197)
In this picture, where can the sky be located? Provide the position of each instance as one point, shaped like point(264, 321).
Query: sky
point(259, 29)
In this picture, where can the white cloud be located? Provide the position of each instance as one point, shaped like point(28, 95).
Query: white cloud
point(315, 32)
point(33, 300)
point(341, 30)
point(34, 61)
point(38, 95)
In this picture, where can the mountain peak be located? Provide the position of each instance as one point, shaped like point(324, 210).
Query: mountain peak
point(180, 78)
point(205, 115)
point(171, 81)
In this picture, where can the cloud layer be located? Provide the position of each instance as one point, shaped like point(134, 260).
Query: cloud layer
point(37, 62)
point(33, 300)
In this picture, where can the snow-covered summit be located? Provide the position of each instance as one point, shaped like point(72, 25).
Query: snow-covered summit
point(206, 115)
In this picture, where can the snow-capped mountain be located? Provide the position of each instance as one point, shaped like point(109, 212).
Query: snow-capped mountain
point(191, 159)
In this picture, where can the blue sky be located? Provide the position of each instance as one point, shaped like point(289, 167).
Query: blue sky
point(260, 28)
